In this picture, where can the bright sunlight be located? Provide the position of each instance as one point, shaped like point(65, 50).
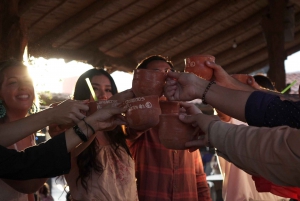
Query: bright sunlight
point(57, 76)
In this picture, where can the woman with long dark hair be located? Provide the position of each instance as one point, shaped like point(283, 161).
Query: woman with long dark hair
point(103, 168)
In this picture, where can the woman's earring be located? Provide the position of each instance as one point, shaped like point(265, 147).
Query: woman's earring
point(33, 109)
point(2, 109)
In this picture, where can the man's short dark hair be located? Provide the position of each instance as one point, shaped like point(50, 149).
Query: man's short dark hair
point(144, 63)
point(264, 82)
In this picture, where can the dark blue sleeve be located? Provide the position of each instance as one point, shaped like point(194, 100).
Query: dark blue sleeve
point(48, 159)
point(263, 109)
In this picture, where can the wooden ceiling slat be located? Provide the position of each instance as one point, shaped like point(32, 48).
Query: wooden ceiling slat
point(95, 58)
point(26, 5)
point(265, 62)
point(204, 31)
point(150, 27)
point(245, 62)
point(131, 25)
point(181, 28)
point(255, 67)
point(228, 34)
point(47, 13)
point(73, 21)
point(296, 2)
point(293, 49)
point(49, 52)
point(89, 29)
point(246, 30)
point(246, 46)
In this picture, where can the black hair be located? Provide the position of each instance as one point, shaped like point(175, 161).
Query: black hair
point(144, 63)
point(82, 91)
point(7, 64)
point(87, 159)
point(264, 82)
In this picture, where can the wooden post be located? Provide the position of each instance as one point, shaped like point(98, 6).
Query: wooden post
point(13, 33)
point(273, 26)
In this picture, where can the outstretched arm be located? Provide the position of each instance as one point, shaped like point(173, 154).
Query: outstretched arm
point(67, 112)
point(34, 161)
point(186, 86)
point(253, 149)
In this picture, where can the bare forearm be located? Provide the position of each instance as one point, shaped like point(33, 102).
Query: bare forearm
point(17, 130)
point(26, 186)
point(229, 101)
point(72, 139)
point(249, 148)
point(75, 152)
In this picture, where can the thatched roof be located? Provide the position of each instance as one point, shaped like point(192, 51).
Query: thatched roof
point(119, 33)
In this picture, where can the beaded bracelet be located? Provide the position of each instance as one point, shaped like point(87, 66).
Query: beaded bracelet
point(80, 134)
point(88, 125)
point(206, 90)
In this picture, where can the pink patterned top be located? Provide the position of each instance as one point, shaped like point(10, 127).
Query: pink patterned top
point(116, 183)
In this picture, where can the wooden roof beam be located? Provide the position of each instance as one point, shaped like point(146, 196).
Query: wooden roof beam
point(72, 22)
point(254, 67)
point(13, 33)
point(264, 63)
point(257, 41)
point(296, 2)
point(131, 25)
point(258, 56)
point(221, 6)
point(47, 14)
point(247, 61)
point(293, 49)
point(49, 52)
point(219, 38)
point(254, 42)
point(273, 28)
point(95, 58)
point(26, 5)
point(98, 23)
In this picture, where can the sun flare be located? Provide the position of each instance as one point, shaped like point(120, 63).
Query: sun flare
point(57, 76)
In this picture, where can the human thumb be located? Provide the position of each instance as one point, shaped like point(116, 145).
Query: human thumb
point(187, 118)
